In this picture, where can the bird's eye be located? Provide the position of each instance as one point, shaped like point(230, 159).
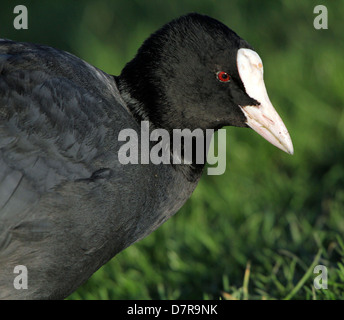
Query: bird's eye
point(223, 76)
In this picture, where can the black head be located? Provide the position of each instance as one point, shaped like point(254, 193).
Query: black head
point(174, 79)
point(195, 72)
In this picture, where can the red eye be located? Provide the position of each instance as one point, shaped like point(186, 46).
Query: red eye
point(223, 76)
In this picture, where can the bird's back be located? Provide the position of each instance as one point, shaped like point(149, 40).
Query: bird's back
point(66, 203)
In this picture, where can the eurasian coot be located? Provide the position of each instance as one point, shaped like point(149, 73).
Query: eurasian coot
point(67, 204)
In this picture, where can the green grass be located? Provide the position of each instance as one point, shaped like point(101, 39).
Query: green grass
point(257, 231)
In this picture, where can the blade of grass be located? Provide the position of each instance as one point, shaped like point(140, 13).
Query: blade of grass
point(246, 280)
point(305, 277)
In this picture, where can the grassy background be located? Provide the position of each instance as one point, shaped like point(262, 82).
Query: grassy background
point(257, 231)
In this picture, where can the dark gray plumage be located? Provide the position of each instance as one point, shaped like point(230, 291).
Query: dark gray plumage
point(58, 128)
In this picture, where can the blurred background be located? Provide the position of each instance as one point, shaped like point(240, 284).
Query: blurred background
point(258, 230)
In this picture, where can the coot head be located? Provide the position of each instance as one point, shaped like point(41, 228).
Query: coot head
point(195, 72)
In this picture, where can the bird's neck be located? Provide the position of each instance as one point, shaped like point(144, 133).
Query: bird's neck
point(186, 158)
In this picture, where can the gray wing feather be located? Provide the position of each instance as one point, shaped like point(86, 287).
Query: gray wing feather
point(55, 129)
point(52, 124)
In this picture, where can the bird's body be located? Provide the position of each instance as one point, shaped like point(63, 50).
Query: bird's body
point(60, 179)
point(67, 205)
